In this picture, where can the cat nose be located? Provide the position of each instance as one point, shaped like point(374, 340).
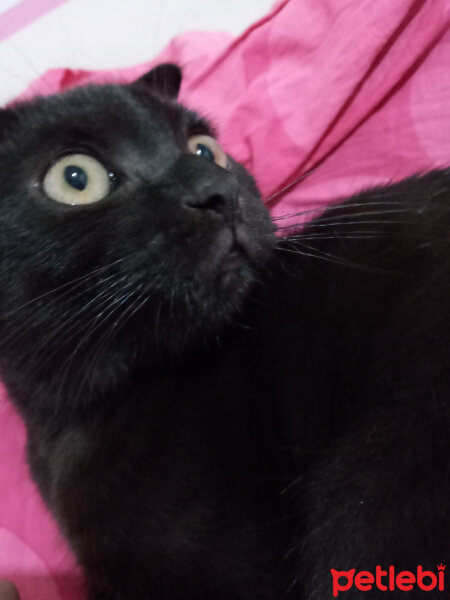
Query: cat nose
point(215, 202)
point(205, 187)
point(219, 201)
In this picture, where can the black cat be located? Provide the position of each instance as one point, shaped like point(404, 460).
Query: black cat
point(215, 412)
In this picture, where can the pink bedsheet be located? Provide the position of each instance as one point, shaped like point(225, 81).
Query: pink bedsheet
point(357, 90)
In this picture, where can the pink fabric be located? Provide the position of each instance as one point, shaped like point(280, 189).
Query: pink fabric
point(357, 91)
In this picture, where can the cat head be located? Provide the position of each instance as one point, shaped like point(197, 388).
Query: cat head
point(123, 225)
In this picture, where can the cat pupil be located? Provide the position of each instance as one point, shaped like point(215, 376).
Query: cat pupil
point(205, 152)
point(76, 177)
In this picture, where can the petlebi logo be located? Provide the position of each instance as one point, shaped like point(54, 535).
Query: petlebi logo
point(388, 580)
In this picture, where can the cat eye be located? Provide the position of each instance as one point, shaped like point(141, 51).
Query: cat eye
point(207, 147)
point(77, 179)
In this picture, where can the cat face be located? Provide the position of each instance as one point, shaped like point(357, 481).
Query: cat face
point(121, 218)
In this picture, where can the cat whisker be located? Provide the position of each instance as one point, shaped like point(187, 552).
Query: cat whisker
point(72, 323)
point(332, 207)
point(291, 485)
point(96, 322)
point(67, 284)
point(320, 254)
point(315, 225)
point(360, 234)
point(92, 358)
point(290, 185)
point(382, 194)
point(368, 213)
point(343, 219)
point(31, 318)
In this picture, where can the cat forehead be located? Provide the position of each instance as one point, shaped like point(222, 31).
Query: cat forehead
point(103, 113)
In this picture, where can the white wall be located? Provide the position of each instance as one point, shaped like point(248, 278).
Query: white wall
point(100, 34)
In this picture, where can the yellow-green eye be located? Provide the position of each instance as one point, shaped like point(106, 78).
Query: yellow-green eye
point(207, 147)
point(77, 179)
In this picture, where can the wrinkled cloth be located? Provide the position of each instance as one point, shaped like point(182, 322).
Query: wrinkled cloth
point(339, 94)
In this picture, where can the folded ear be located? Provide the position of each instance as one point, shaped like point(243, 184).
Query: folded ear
point(165, 80)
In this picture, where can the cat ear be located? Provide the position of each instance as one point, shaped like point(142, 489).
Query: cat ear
point(164, 79)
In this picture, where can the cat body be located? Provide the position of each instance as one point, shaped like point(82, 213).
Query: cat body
point(213, 411)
